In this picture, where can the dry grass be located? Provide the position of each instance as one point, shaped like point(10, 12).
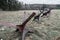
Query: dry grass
point(49, 28)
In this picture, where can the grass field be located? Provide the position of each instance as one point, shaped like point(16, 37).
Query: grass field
point(49, 28)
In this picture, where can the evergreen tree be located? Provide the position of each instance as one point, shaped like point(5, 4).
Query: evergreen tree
point(10, 4)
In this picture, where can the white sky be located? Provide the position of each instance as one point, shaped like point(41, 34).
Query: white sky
point(41, 1)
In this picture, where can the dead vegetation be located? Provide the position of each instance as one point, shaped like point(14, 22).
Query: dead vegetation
point(48, 29)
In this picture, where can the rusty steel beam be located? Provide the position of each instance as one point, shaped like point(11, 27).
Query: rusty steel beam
point(21, 27)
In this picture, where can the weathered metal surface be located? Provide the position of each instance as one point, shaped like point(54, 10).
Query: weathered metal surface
point(22, 26)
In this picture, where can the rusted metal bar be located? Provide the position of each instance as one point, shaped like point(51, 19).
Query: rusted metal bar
point(22, 26)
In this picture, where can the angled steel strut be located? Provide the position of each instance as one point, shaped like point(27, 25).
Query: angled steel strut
point(22, 26)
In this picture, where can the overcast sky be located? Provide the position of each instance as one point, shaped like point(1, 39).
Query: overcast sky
point(41, 1)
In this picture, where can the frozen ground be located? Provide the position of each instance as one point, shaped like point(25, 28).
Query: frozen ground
point(48, 29)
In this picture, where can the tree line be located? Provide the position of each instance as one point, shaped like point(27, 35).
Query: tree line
point(10, 5)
